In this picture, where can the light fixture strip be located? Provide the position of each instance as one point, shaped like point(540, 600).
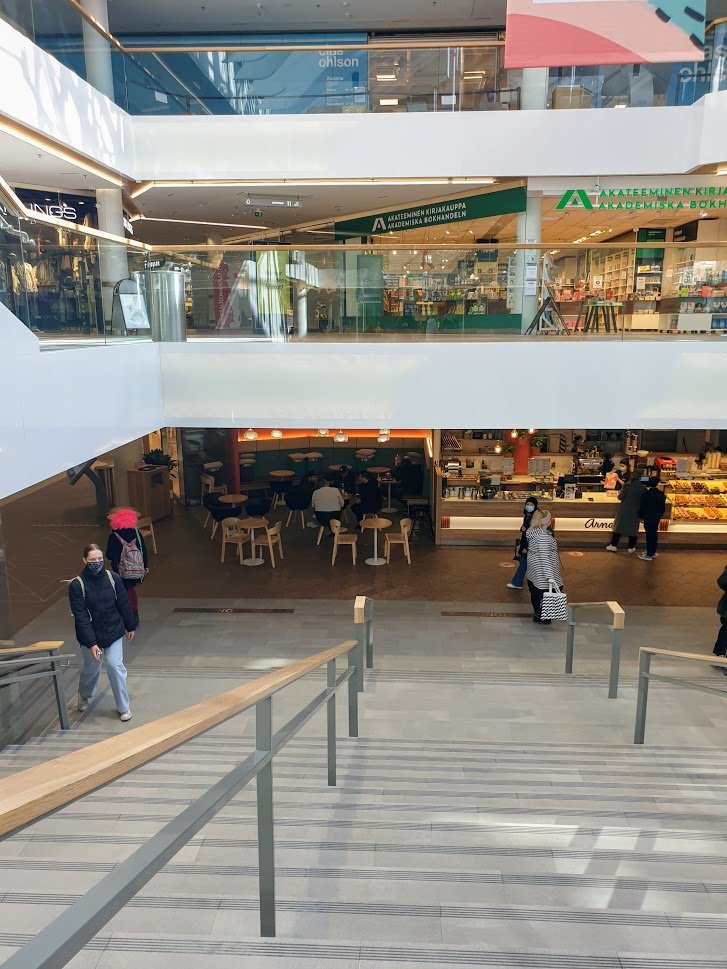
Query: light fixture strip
point(49, 146)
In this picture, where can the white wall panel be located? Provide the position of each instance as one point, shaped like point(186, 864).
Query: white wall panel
point(638, 141)
point(557, 383)
point(61, 407)
point(38, 91)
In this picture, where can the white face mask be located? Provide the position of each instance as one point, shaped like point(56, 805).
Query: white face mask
point(529, 508)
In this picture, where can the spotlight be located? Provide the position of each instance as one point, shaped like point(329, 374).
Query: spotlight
point(498, 449)
point(322, 431)
point(513, 435)
point(250, 434)
point(276, 432)
point(383, 437)
point(341, 437)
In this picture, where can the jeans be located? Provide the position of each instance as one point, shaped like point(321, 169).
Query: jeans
point(519, 576)
point(652, 536)
point(616, 538)
point(113, 659)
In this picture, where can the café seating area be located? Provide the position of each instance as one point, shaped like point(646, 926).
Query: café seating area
point(254, 524)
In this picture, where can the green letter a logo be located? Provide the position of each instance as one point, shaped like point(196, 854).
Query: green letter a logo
point(575, 198)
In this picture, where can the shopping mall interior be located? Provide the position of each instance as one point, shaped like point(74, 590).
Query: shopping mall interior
point(363, 484)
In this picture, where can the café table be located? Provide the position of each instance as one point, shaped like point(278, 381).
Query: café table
point(282, 474)
point(252, 524)
point(233, 499)
point(375, 524)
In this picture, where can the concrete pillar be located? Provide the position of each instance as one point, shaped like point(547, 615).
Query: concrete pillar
point(112, 255)
point(534, 88)
point(97, 50)
point(527, 296)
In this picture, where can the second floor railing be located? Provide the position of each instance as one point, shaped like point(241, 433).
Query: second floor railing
point(345, 73)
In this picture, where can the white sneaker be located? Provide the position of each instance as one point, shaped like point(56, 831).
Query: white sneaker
point(82, 705)
point(611, 548)
point(631, 550)
point(124, 717)
point(511, 586)
point(646, 558)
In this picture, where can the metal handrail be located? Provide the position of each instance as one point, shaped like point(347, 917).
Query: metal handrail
point(618, 619)
point(30, 794)
point(24, 658)
point(645, 674)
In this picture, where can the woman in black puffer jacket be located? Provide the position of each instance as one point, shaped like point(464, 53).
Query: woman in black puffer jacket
point(102, 613)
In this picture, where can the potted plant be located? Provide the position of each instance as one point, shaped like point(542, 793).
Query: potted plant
point(537, 444)
point(508, 448)
point(160, 459)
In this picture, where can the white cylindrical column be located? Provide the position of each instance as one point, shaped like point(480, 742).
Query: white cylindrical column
point(97, 49)
point(301, 312)
point(534, 88)
point(112, 255)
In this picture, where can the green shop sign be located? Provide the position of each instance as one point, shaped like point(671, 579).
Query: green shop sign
point(645, 199)
point(437, 213)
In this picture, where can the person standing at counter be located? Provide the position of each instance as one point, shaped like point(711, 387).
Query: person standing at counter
point(653, 506)
point(521, 552)
point(627, 517)
point(543, 561)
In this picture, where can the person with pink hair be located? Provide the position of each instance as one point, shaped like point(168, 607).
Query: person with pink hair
point(125, 533)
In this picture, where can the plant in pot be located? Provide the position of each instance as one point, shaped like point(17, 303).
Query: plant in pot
point(508, 448)
point(537, 444)
point(160, 459)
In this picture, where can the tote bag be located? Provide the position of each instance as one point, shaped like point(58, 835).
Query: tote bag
point(555, 603)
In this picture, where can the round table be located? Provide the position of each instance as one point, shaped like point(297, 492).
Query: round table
point(233, 499)
point(252, 524)
point(373, 470)
point(375, 524)
point(334, 467)
point(282, 474)
point(388, 481)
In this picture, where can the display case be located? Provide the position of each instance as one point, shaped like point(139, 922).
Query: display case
point(702, 500)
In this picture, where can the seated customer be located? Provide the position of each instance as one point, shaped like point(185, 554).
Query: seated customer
point(370, 499)
point(327, 503)
point(346, 480)
point(409, 478)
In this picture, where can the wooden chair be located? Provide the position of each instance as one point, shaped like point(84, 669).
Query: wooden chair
point(271, 538)
point(210, 488)
point(339, 539)
point(232, 534)
point(401, 539)
point(146, 530)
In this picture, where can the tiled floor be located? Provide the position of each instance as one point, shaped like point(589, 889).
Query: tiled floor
point(45, 532)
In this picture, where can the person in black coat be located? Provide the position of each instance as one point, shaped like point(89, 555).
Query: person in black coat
point(651, 511)
point(521, 551)
point(102, 613)
point(370, 499)
point(124, 525)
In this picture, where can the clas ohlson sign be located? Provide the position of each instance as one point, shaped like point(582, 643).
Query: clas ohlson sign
point(646, 198)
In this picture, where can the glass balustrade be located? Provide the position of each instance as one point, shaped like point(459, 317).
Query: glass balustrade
point(171, 75)
point(451, 293)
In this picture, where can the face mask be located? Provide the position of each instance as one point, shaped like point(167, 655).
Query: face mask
point(529, 508)
point(95, 568)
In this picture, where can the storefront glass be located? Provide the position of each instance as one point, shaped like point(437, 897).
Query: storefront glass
point(378, 292)
point(337, 73)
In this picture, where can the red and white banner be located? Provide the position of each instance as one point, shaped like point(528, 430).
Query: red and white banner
point(571, 33)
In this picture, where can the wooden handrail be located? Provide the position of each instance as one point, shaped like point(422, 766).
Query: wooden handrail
point(618, 614)
point(41, 647)
point(359, 609)
point(32, 793)
point(697, 657)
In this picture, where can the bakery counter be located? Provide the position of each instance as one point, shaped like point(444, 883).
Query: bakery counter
point(579, 523)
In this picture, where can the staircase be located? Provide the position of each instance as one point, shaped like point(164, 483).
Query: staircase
point(445, 853)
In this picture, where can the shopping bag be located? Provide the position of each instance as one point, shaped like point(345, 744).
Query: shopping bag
point(555, 603)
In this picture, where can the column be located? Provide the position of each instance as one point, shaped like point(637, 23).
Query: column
point(534, 89)
point(97, 49)
point(527, 297)
point(301, 311)
point(112, 255)
point(125, 458)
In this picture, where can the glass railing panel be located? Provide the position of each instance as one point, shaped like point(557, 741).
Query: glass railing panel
point(501, 292)
point(62, 283)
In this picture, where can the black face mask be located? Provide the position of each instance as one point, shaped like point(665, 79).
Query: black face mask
point(95, 568)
